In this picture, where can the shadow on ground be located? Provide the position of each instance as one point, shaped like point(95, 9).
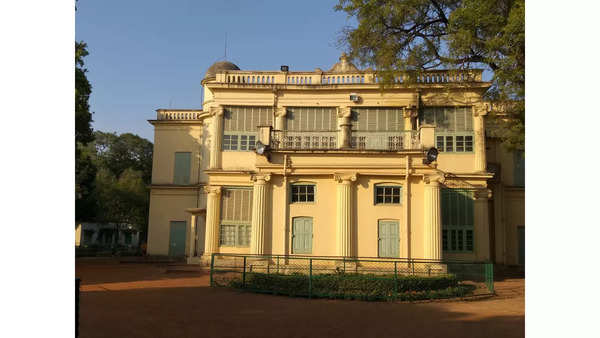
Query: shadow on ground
point(187, 307)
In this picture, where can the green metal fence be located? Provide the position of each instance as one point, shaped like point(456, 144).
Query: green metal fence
point(352, 278)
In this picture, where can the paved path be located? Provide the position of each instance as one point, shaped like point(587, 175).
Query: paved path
point(141, 300)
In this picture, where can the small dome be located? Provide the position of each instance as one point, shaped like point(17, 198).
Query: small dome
point(344, 66)
point(219, 66)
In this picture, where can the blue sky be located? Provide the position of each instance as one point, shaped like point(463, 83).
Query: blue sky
point(146, 55)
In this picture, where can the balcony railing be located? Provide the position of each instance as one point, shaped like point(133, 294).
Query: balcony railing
point(391, 141)
point(303, 140)
point(360, 140)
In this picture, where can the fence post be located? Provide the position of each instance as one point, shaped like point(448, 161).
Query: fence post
point(395, 280)
point(344, 259)
point(268, 265)
point(77, 283)
point(310, 278)
point(244, 274)
point(413, 267)
point(277, 264)
point(489, 276)
point(212, 267)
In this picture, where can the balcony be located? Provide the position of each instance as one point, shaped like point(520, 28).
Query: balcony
point(359, 140)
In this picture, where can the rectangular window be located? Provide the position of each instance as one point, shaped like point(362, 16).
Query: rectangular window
point(302, 193)
point(454, 127)
point(182, 168)
point(457, 220)
point(387, 194)
point(240, 126)
point(236, 217)
point(311, 119)
point(377, 119)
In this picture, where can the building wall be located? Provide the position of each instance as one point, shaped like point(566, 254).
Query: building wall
point(168, 205)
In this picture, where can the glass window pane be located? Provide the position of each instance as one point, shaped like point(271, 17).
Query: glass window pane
point(469, 240)
point(440, 143)
point(468, 143)
point(449, 145)
point(444, 239)
point(387, 199)
point(310, 197)
point(310, 189)
point(396, 200)
point(379, 199)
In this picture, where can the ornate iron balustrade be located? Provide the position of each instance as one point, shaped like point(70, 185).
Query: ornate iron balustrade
point(392, 141)
point(303, 140)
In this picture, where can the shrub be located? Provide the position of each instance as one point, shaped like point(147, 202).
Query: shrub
point(355, 286)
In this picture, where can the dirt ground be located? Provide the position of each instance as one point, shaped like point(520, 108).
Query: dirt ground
point(143, 300)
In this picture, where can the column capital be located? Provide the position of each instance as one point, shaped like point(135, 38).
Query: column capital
point(483, 194)
point(434, 180)
point(217, 110)
point(481, 109)
point(410, 111)
point(344, 111)
point(280, 111)
point(212, 189)
point(261, 178)
point(345, 178)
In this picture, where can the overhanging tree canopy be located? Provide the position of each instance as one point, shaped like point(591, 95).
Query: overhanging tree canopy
point(414, 35)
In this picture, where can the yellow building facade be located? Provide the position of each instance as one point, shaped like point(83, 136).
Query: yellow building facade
point(343, 170)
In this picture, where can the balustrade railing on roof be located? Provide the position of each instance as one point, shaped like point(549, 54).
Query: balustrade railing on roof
point(178, 115)
point(325, 78)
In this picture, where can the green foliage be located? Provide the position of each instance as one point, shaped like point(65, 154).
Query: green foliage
point(120, 152)
point(415, 35)
point(83, 89)
point(355, 286)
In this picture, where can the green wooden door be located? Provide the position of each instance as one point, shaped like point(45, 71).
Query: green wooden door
point(521, 231)
point(177, 238)
point(388, 239)
point(302, 235)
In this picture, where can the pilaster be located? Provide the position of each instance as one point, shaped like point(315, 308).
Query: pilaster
point(216, 135)
point(280, 116)
point(344, 127)
point(479, 134)
point(482, 224)
point(213, 209)
point(259, 214)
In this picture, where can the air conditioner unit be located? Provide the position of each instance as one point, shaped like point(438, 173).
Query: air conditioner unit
point(354, 97)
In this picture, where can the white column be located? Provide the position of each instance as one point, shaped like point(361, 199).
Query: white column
point(280, 116)
point(192, 238)
point(432, 221)
point(482, 225)
point(216, 134)
point(213, 209)
point(479, 138)
point(259, 214)
point(344, 215)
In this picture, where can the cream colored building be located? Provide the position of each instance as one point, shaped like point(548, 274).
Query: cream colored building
point(344, 171)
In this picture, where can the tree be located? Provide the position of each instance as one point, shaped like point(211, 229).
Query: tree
point(85, 170)
point(83, 89)
point(122, 200)
point(126, 151)
point(416, 35)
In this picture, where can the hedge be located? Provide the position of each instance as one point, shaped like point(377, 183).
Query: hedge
point(355, 286)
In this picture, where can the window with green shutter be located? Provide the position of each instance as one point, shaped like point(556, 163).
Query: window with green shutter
point(519, 169)
point(454, 127)
point(457, 220)
point(377, 119)
point(236, 217)
point(182, 168)
point(240, 126)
